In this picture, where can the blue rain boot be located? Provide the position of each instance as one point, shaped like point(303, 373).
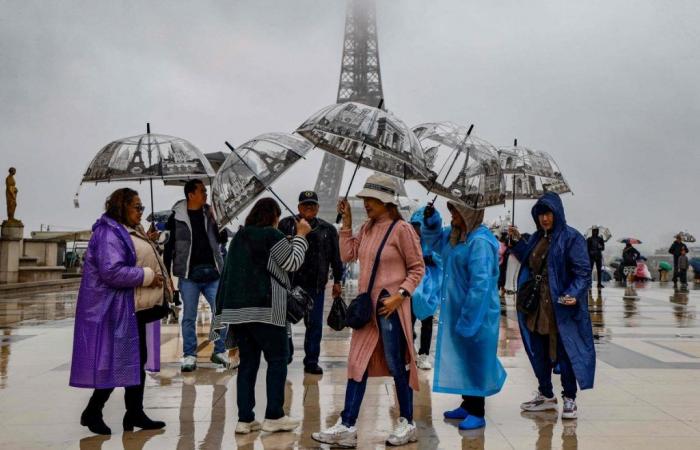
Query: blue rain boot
point(459, 413)
point(472, 423)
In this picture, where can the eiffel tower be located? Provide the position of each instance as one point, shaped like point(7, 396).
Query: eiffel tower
point(360, 81)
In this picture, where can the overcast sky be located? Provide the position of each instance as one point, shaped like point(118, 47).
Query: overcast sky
point(608, 87)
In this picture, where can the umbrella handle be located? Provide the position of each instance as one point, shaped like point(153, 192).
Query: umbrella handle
point(339, 217)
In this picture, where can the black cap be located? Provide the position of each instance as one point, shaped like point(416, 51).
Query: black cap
point(308, 197)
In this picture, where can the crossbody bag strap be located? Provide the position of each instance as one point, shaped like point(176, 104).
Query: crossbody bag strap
point(378, 257)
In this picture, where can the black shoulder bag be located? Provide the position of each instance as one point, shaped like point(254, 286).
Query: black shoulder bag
point(528, 296)
point(359, 311)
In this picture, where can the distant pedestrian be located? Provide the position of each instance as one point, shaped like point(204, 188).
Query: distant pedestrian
point(630, 255)
point(192, 254)
point(683, 268)
point(252, 305)
point(466, 360)
point(312, 276)
point(383, 346)
point(559, 332)
point(676, 247)
point(427, 223)
point(596, 246)
point(109, 342)
point(503, 255)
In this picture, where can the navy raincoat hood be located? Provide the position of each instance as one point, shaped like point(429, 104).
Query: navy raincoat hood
point(569, 272)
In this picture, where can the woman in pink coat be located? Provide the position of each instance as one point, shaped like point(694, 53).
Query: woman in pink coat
point(383, 346)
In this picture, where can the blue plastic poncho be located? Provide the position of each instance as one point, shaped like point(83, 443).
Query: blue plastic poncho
point(569, 273)
point(426, 297)
point(466, 360)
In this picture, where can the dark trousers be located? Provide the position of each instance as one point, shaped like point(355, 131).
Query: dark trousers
point(394, 344)
point(270, 340)
point(543, 365)
point(133, 395)
point(597, 261)
point(475, 406)
point(314, 329)
point(676, 272)
point(683, 275)
point(426, 333)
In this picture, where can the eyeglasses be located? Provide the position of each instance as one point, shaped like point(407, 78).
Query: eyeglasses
point(140, 208)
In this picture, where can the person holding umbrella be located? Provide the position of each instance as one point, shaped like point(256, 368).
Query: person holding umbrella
point(466, 360)
point(630, 255)
point(596, 246)
point(558, 331)
point(676, 248)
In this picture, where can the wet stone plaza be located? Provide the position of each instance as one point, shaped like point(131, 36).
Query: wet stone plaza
point(647, 379)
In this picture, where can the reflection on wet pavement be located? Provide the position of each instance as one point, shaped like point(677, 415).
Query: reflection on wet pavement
point(647, 342)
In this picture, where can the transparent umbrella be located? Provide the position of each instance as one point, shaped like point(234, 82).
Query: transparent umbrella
point(462, 167)
point(686, 237)
point(147, 157)
point(251, 169)
point(603, 232)
point(530, 173)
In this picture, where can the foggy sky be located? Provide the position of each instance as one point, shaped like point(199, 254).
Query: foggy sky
point(609, 88)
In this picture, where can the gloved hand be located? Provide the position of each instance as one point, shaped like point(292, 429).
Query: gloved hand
point(429, 211)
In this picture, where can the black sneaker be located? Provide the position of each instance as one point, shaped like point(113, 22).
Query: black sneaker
point(313, 369)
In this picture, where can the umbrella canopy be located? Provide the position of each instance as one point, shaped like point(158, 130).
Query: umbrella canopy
point(603, 232)
point(368, 136)
point(530, 173)
point(695, 264)
point(630, 240)
point(148, 156)
point(686, 237)
point(665, 265)
point(462, 167)
point(266, 158)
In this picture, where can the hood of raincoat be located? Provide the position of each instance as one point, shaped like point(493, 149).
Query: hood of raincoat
point(472, 219)
point(550, 201)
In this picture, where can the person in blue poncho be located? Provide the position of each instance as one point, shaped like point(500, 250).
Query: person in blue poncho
point(466, 359)
point(428, 224)
point(558, 332)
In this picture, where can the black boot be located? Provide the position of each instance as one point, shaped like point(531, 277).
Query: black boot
point(139, 419)
point(93, 420)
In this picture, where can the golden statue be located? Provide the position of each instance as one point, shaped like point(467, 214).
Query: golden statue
point(11, 195)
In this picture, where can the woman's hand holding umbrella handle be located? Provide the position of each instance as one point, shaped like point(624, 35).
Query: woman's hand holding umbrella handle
point(513, 233)
point(346, 213)
point(303, 227)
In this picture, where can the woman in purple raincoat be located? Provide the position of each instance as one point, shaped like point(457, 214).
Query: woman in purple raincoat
point(109, 342)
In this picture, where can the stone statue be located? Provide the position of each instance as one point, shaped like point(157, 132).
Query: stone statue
point(11, 195)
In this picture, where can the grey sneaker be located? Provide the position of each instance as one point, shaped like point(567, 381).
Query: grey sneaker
point(423, 362)
point(189, 364)
point(570, 411)
point(403, 433)
point(539, 403)
point(247, 427)
point(337, 436)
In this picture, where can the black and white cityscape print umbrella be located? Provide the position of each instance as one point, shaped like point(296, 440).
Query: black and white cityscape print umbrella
point(462, 167)
point(603, 232)
point(251, 168)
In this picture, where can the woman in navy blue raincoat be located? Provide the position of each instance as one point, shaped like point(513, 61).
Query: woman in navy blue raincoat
point(466, 359)
point(558, 333)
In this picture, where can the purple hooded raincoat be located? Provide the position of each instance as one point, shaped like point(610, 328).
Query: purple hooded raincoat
point(106, 340)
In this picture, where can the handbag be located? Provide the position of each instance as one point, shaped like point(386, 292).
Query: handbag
point(338, 315)
point(528, 297)
point(359, 311)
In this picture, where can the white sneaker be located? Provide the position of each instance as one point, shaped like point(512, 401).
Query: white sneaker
point(570, 411)
point(247, 427)
point(423, 362)
point(285, 423)
point(221, 359)
point(189, 364)
point(403, 433)
point(539, 403)
point(338, 436)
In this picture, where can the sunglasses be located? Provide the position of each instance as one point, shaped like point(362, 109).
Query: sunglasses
point(140, 208)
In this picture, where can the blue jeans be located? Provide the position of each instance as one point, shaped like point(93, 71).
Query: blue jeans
point(189, 293)
point(394, 344)
point(255, 339)
point(314, 329)
point(542, 365)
